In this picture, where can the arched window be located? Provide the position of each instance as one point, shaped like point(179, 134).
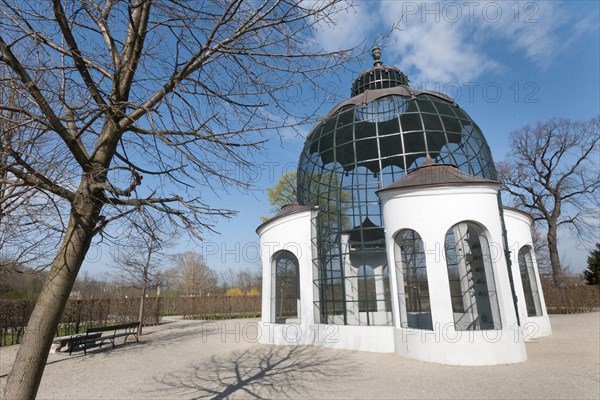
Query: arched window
point(415, 307)
point(530, 288)
point(471, 276)
point(286, 286)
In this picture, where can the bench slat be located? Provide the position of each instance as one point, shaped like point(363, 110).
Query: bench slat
point(99, 338)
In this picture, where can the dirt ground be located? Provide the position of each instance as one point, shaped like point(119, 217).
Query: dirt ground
point(199, 359)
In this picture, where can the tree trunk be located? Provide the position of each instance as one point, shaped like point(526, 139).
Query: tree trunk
point(554, 257)
point(141, 313)
point(143, 298)
point(26, 373)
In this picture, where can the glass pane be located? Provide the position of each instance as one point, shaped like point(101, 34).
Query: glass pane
point(528, 278)
point(414, 296)
point(471, 279)
point(286, 286)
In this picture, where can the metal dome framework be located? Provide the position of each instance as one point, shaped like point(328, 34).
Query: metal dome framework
point(363, 145)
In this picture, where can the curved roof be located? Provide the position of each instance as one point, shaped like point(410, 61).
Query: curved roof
point(369, 96)
point(288, 209)
point(518, 211)
point(432, 174)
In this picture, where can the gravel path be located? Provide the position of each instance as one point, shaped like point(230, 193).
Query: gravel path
point(197, 359)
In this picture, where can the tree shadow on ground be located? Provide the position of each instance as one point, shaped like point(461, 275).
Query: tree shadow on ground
point(180, 332)
point(260, 372)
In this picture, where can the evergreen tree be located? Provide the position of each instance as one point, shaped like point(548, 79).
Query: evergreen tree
point(592, 274)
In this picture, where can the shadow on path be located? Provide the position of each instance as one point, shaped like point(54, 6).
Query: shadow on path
point(260, 372)
point(179, 332)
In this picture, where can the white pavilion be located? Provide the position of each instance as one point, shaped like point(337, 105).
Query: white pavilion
point(398, 241)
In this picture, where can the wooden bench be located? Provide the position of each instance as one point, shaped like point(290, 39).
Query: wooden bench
point(67, 341)
point(96, 337)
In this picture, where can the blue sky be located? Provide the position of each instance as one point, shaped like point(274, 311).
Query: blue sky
point(508, 64)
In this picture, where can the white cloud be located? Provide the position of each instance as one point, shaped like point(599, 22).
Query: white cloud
point(347, 29)
point(438, 52)
point(458, 41)
point(531, 28)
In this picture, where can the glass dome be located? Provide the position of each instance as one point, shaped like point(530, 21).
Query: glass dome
point(378, 77)
point(364, 144)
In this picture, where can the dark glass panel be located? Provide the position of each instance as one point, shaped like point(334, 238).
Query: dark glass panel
point(445, 108)
point(451, 124)
point(345, 154)
point(365, 130)
point(326, 142)
point(411, 122)
point(367, 149)
point(391, 145)
point(432, 122)
point(345, 116)
point(393, 161)
point(426, 106)
point(414, 142)
point(461, 114)
point(344, 134)
point(453, 137)
point(388, 127)
point(435, 142)
point(411, 107)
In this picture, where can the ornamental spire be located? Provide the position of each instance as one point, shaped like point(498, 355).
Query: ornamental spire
point(376, 54)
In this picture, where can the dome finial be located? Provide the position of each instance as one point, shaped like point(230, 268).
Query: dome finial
point(376, 54)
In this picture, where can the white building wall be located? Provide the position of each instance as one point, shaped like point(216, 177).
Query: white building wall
point(439, 208)
point(291, 233)
point(431, 212)
point(518, 227)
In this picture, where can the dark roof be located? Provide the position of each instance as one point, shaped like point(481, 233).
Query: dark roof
point(288, 209)
point(431, 174)
point(369, 96)
point(367, 231)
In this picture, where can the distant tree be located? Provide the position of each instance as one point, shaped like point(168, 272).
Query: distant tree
point(138, 260)
point(552, 172)
point(284, 191)
point(86, 286)
point(244, 279)
point(195, 277)
point(234, 292)
point(19, 282)
point(592, 273)
point(167, 280)
point(542, 255)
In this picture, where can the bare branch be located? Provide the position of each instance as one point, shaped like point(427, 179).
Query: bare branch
point(553, 173)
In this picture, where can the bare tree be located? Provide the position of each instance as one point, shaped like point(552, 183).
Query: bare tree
point(115, 91)
point(195, 277)
point(552, 171)
point(542, 255)
point(138, 261)
point(244, 279)
point(29, 220)
point(166, 279)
